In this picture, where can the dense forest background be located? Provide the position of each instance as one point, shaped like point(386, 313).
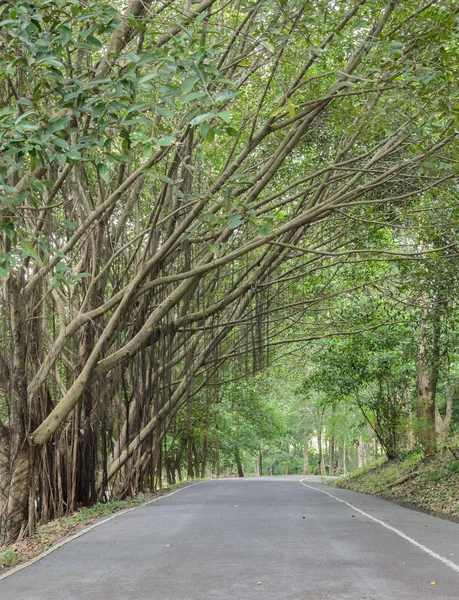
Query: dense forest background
point(228, 242)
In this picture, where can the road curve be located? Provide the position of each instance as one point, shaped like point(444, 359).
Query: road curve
point(265, 538)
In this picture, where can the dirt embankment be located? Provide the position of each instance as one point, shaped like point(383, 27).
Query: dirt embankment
point(430, 484)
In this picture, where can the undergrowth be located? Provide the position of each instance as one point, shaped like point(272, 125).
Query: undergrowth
point(430, 483)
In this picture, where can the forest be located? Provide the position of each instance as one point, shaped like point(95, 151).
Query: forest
point(228, 242)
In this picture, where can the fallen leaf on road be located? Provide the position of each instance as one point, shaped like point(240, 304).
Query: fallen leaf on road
point(167, 544)
point(258, 582)
point(434, 582)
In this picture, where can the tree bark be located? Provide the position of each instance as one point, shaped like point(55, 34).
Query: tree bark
point(331, 468)
point(321, 456)
point(217, 451)
point(442, 425)
point(237, 456)
point(428, 370)
point(360, 453)
point(306, 457)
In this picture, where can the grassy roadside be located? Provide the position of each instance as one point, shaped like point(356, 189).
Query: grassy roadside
point(430, 484)
point(54, 531)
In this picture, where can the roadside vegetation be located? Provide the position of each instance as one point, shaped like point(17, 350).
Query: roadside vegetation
point(427, 483)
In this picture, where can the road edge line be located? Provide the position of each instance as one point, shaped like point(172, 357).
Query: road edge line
point(428, 551)
point(85, 530)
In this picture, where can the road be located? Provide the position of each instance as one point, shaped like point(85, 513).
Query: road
point(244, 539)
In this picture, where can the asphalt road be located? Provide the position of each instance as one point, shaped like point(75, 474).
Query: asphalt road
point(218, 539)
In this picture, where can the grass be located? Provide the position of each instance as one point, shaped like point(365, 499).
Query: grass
point(8, 558)
point(432, 483)
point(378, 475)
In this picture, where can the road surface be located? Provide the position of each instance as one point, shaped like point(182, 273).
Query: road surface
point(244, 539)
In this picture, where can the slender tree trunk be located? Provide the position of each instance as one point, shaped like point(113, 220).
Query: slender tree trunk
point(442, 425)
point(331, 468)
point(321, 456)
point(4, 474)
point(306, 457)
point(339, 466)
point(428, 369)
point(360, 453)
point(237, 456)
point(217, 451)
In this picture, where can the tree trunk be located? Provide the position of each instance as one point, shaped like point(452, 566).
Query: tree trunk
point(4, 473)
point(360, 453)
point(15, 452)
point(217, 452)
point(16, 515)
point(306, 457)
point(260, 464)
point(237, 456)
point(442, 425)
point(331, 468)
point(428, 369)
point(321, 456)
point(339, 466)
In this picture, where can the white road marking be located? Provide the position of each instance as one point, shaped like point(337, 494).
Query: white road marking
point(428, 551)
point(86, 530)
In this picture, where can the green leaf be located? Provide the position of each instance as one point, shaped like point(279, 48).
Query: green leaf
point(226, 95)
point(74, 155)
point(146, 78)
point(25, 101)
point(138, 106)
point(225, 115)
point(235, 221)
point(69, 224)
point(147, 151)
point(194, 96)
point(103, 171)
point(163, 111)
point(57, 124)
point(188, 84)
point(201, 118)
point(60, 143)
point(10, 231)
point(76, 278)
point(99, 81)
point(166, 179)
point(166, 141)
point(61, 267)
point(207, 132)
point(94, 41)
point(265, 230)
